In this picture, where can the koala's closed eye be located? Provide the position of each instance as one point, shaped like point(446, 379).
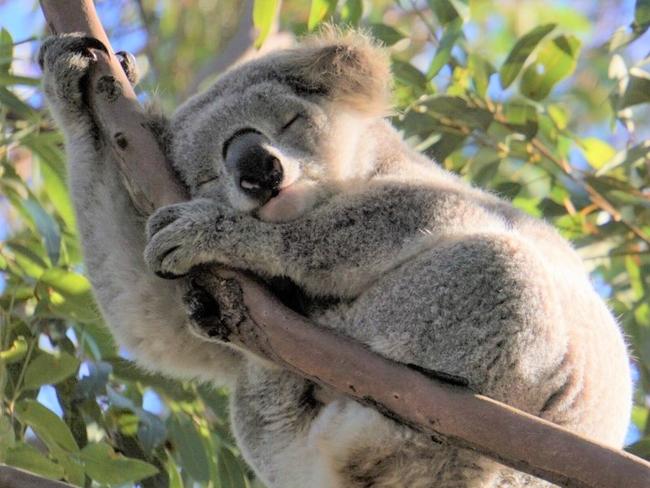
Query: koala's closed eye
point(295, 118)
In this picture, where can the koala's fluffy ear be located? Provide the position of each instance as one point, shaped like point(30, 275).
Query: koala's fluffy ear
point(347, 67)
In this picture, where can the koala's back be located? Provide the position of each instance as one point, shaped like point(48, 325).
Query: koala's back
point(512, 312)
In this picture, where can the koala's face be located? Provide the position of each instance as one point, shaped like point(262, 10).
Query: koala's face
point(277, 135)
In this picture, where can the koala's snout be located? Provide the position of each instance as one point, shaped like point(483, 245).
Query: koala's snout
point(257, 171)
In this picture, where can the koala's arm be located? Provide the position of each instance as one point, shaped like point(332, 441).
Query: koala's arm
point(338, 248)
point(145, 313)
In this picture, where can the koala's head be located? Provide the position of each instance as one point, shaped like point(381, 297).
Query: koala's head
point(275, 136)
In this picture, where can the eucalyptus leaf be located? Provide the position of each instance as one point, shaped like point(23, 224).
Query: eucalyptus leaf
point(48, 228)
point(449, 10)
point(264, 12)
point(48, 368)
point(596, 151)
point(6, 52)
point(555, 61)
point(637, 91)
point(319, 11)
point(16, 351)
point(519, 54)
point(105, 466)
point(27, 457)
point(189, 445)
point(352, 11)
point(642, 13)
point(385, 33)
point(452, 33)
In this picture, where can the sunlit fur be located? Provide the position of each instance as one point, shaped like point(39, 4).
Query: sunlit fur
point(389, 249)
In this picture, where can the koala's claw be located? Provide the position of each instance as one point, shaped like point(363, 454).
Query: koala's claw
point(76, 43)
point(161, 219)
point(128, 63)
point(65, 60)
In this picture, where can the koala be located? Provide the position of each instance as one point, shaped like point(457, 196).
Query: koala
point(296, 176)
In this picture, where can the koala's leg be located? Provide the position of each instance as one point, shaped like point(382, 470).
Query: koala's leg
point(480, 308)
point(145, 312)
point(294, 441)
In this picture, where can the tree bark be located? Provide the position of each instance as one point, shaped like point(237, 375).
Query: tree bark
point(447, 412)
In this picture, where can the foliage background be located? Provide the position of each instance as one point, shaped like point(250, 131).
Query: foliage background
point(545, 103)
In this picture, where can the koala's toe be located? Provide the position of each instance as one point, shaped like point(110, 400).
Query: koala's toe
point(128, 63)
point(161, 219)
point(167, 275)
point(55, 47)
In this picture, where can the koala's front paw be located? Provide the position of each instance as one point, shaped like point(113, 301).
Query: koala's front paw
point(214, 305)
point(178, 237)
point(65, 60)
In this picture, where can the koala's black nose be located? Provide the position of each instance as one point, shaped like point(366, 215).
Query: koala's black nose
point(257, 171)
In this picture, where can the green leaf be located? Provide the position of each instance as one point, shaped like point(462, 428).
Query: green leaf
point(230, 470)
point(7, 79)
point(554, 62)
point(352, 11)
point(640, 448)
point(482, 71)
point(175, 479)
point(7, 437)
point(107, 467)
point(94, 335)
point(189, 445)
point(449, 10)
point(52, 166)
point(520, 53)
point(67, 294)
point(6, 52)
point(319, 11)
point(47, 227)
point(30, 459)
point(625, 35)
point(457, 109)
point(443, 53)
point(634, 156)
point(637, 91)
point(642, 13)
point(55, 434)
point(14, 103)
point(127, 370)
point(16, 351)
point(386, 34)
point(597, 152)
point(151, 430)
point(264, 12)
point(408, 74)
point(49, 368)
point(522, 118)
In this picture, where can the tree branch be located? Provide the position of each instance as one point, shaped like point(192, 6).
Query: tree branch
point(447, 412)
point(11, 477)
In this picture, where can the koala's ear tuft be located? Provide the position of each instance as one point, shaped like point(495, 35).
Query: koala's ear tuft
point(346, 66)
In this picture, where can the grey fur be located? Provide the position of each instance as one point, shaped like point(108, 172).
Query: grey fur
point(385, 247)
